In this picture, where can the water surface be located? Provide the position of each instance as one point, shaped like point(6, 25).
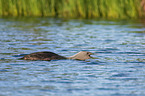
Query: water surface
point(118, 66)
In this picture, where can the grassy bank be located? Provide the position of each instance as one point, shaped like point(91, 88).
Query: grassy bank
point(73, 8)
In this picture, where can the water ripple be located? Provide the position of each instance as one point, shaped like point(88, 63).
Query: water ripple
point(116, 69)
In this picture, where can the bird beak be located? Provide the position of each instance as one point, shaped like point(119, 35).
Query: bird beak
point(90, 54)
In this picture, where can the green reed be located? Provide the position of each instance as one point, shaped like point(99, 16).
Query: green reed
point(73, 8)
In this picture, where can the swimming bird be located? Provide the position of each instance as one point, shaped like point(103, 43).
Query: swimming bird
point(47, 56)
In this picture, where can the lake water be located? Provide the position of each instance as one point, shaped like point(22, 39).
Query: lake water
point(116, 69)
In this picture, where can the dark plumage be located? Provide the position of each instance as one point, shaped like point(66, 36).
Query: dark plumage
point(83, 55)
point(43, 56)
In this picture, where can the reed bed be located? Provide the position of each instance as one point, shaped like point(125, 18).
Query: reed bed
point(74, 8)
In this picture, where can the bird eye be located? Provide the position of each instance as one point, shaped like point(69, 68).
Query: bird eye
point(88, 53)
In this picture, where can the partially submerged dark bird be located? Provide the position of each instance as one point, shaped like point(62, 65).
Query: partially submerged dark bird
point(47, 56)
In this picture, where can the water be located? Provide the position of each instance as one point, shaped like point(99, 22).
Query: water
point(116, 69)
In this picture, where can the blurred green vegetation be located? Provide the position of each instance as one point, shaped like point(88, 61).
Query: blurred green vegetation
point(73, 8)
